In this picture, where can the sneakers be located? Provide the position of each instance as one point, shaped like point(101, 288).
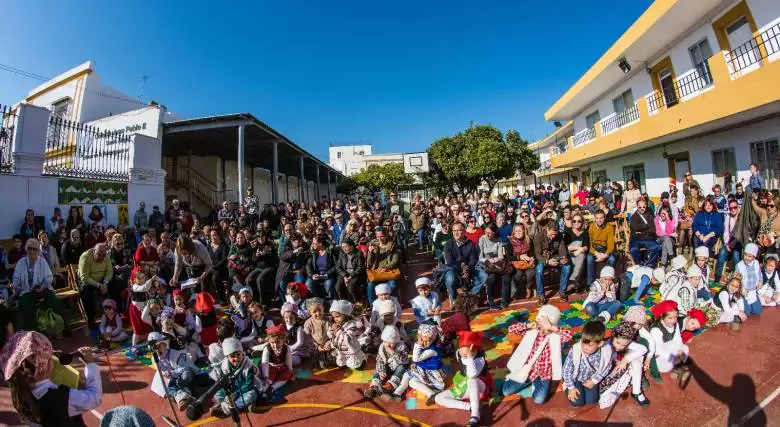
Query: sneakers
point(392, 397)
point(372, 392)
point(684, 377)
point(641, 399)
point(734, 326)
point(184, 403)
point(473, 422)
point(217, 412)
point(431, 399)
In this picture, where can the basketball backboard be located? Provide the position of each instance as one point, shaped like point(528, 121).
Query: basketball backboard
point(416, 162)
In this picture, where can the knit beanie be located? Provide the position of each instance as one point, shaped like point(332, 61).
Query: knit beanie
point(126, 416)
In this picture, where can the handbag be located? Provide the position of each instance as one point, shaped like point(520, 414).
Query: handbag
point(501, 267)
point(383, 276)
point(522, 264)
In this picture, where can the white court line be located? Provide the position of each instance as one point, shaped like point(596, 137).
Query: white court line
point(97, 414)
point(760, 406)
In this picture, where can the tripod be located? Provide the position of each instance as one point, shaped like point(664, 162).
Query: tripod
point(175, 421)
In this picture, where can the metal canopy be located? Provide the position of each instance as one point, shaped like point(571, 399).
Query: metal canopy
point(218, 136)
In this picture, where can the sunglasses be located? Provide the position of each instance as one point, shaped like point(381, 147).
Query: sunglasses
point(587, 341)
point(577, 221)
point(733, 208)
point(771, 206)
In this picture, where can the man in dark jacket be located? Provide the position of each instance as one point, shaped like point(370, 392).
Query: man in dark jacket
point(351, 269)
point(643, 236)
point(551, 253)
point(460, 257)
point(157, 220)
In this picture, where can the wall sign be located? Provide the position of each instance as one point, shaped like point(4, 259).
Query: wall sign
point(75, 191)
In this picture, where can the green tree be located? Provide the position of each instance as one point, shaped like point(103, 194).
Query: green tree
point(481, 154)
point(387, 177)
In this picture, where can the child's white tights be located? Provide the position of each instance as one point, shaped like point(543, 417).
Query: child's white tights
point(475, 388)
point(420, 386)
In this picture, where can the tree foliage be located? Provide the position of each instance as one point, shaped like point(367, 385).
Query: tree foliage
point(480, 154)
point(387, 177)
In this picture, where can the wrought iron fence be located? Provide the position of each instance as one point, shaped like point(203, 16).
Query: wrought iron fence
point(621, 119)
point(754, 50)
point(81, 151)
point(670, 95)
point(7, 127)
point(584, 136)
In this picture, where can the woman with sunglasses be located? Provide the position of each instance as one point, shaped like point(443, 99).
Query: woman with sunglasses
point(32, 282)
point(577, 243)
point(769, 230)
point(473, 232)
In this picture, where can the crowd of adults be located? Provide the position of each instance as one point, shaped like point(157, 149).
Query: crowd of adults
point(510, 246)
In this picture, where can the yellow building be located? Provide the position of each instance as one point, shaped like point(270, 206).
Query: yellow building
point(690, 86)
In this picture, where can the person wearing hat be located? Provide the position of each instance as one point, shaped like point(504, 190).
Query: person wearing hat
point(245, 385)
point(206, 318)
point(671, 354)
point(626, 368)
point(124, 416)
point(750, 271)
point(392, 362)
point(276, 362)
point(602, 298)
point(676, 274)
point(636, 316)
point(473, 383)
point(298, 346)
point(387, 317)
point(176, 369)
point(427, 374)
point(693, 321)
point(730, 301)
point(537, 360)
point(344, 333)
point(769, 293)
point(31, 282)
point(684, 292)
point(351, 270)
point(111, 327)
point(426, 305)
point(28, 369)
point(639, 277)
point(383, 293)
point(297, 293)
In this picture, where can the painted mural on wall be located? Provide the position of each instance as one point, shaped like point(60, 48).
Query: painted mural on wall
point(77, 191)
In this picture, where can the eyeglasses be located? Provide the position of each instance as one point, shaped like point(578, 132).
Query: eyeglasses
point(576, 221)
point(587, 341)
point(771, 206)
point(32, 249)
point(733, 208)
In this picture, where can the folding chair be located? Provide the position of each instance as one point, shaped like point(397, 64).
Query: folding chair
point(71, 292)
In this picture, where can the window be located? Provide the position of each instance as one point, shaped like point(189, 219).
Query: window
point(623, 102)
point(61, 108)
point(338, 155)
point(699, 54)
point(591, 119)
point(598, 177)
point(637, 173)
point(666, 80)
point(766, 154)
point(724, 160)
point(362, 152)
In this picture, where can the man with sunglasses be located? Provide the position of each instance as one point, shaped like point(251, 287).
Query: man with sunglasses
point(731, 249)
point(460, 259)
point(643, 236)
point(32, 281)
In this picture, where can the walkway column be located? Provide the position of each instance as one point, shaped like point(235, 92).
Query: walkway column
point(301, 181)
point(287, 188)
point(328, 174)
point(189, 179)
point(240, 164)
point(317, 187)
point(275, 174)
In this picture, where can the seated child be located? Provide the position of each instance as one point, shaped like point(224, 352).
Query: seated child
point(702, 256)
point(456, 322)
point(473, 383)
point(537, 360)
point(426, 373)
point(770, 290)
point(299, 347)
point(383, 294)
point(315, 329)
point(703, 296)
point(178, 337)
point(671, 355)
point(206, 318)
point(176, 369)
point(640, 278)
point(344, 332)
point(182, 313)
point(750, 270)
point(241, 304)
point(392, 362)
point(139, 295)
point(636, 316)
point(692, 322)
point(246, 384)
point(371, 337)
point(160, 291)
point(254, 331)
point(225, 329)
point(111, 328)
point(426, 305)
point(588, 362)
point(296, 294)
point(602, 298)
point(626, 368)
point(731, 303)
point(276, 362)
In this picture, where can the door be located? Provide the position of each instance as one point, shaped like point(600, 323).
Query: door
point(766, 154)
point(744, 56)
point(666, 80)
point(700, 52)
point(637, 173)
point(679, 164)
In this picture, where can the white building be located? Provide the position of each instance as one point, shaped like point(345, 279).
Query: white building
point(690, 86)
point(348, 159)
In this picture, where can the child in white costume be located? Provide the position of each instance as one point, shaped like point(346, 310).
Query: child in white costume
point(111, 327)
point(626, 368)
point(731, 303)
point(770, 290)
point(671, 355)
point(427, 304)
point(344, 332)
point(382, 294)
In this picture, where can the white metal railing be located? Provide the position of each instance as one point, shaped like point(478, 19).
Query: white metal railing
point(618, 120)
point(584, 136)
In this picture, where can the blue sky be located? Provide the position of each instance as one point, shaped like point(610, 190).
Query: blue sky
point(396, 74)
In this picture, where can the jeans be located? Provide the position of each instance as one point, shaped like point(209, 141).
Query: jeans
point(539, 395)
point(506, 289)
point(372, 293)
point(591, 266)
point(299, 277)
point(593, 309)
point(565, 269)
point(753, 309)
point(653, 251)
point(322, 288)
point(724, 256)
point(625, 286)
point(420, 238)
point(588, 396)
point(452, 282)
point(524, 277)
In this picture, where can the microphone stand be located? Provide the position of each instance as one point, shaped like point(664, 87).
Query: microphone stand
point(167, 420)
point(232, 404)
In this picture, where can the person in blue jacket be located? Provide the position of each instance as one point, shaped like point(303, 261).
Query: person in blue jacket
point(707, 225)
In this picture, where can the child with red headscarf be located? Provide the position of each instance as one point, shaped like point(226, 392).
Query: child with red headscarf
point(473, 383)
point(671, 353)
point(206, 318)
point(296, 295)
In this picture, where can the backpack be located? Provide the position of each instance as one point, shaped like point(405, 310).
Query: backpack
point(50, 323)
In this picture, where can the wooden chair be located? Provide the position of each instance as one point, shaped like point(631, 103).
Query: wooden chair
point(71, 292)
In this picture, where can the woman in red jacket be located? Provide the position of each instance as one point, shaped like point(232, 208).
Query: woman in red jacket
point(146, 254)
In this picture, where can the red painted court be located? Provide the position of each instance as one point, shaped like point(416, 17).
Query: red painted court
point(735, 373)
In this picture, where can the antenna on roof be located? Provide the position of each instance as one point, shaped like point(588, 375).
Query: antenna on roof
point(144, 78)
